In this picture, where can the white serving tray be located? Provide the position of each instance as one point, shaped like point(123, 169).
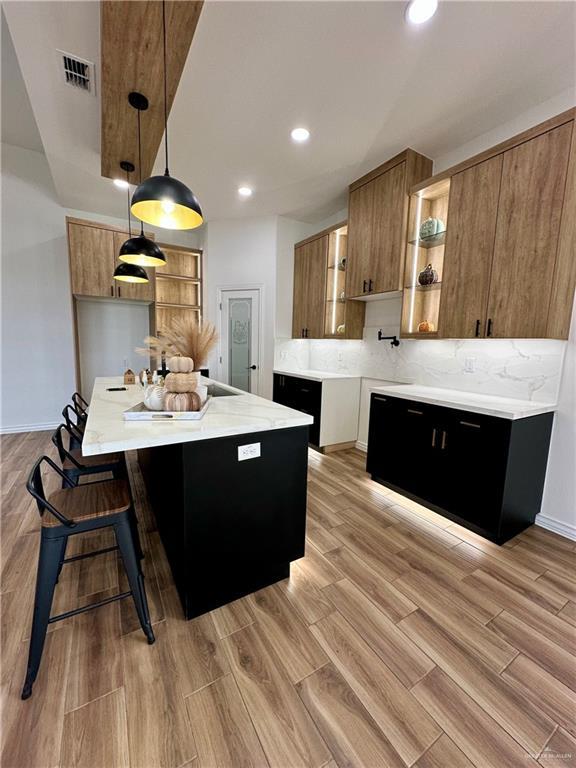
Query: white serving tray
point(141, 413)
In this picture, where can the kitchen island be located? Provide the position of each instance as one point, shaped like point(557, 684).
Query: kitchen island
point(228, 491)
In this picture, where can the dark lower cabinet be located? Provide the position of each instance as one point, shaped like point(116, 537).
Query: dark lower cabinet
point(302, 395)
point(484, 472)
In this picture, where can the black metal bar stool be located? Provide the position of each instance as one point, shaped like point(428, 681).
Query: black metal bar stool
point(78, 509)
point(80, 405)
point(75, 465)
point(75, 424)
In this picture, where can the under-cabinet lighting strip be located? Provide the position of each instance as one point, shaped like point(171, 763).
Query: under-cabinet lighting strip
point(415, 264)
point(335, 281)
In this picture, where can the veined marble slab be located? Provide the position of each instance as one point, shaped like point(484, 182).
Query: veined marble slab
point(315, 375)
point(106, 431)
point(491, 405)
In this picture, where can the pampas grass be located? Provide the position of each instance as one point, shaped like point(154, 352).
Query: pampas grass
point(188, 338)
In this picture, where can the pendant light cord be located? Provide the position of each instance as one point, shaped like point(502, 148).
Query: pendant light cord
point(128, 194)
point(166, 172)
point(140, 167)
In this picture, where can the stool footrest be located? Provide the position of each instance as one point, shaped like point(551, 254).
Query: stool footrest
point(89, 607)
point(90, 554)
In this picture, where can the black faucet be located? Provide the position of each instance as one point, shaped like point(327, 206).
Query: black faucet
point(395, 342)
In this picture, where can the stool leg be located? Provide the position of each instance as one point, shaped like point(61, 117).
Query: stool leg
point(135, 576)
point(51, 555)
point(135, 535)
point(61, 563)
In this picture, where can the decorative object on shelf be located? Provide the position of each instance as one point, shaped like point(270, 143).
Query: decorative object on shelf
point(154, 397)
point(140, 250)
point(426, 326)
point(129, 376)
point(161, 200)
point(342, 263)
point(430, 227)
point(341, 330)
point(178, 364)
point(181, 382)
point(428, 275)
point(342, 295)
point(182, 401)
point(187, 337)
point(394, 340)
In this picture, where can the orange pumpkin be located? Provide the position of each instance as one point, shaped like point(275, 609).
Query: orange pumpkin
point(181, 364)
point(181, 382)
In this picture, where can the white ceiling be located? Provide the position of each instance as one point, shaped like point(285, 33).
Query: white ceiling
point(365, 83)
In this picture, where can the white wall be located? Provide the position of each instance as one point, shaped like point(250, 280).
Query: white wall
point(37, 373)
point(241, 253)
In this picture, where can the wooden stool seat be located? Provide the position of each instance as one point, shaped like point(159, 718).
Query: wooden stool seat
point(90, 461)
point(86, 502)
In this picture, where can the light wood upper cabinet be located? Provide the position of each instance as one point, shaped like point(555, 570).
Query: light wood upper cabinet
point(377, 215)
point(527, 234)
point(140, 291)
point(387, 252)
point(472, 214)
point(309, 289)
point(91, 260)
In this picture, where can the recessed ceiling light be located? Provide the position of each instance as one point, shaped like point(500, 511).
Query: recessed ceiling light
point(121, 183)
point(244, 191)
point(419, 11)
point(300, 134)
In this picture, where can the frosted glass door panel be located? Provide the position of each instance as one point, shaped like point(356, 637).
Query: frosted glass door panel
point(239, 335)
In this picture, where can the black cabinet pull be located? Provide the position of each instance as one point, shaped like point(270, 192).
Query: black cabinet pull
point(443, 440)
point(119, 292)
point(111, 290)
point(305, 333)
point(369, 286)
point(434, 438)
point(412, 410)
point(364, 290)
point(470, 424)
point(380, 399)
point(477, 332)
point(489, 327)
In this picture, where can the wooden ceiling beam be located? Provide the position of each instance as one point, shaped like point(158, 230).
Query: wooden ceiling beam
point(131, 60)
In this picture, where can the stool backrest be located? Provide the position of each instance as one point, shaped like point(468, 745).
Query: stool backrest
point(74, 423)
point(35, 487)
point(80, 405)
point(58, 441)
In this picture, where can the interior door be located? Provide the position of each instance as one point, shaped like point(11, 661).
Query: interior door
point(240, 339)
point(91, 260)
point(387, 251)
point(472, 214)
point(141, 291)
point(317, 264)
point(360, 226)
point(528, 225)
point(299, 295)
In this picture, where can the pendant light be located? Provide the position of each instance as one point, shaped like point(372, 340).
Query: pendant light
point(129, 273)
point(161, 200)
point(140, 250)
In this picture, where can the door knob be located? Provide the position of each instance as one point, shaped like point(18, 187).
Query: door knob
point(251, 368)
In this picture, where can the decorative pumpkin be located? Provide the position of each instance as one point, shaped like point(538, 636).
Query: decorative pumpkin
point(181, 364)
point(182, 401)
point(426, 326)
point(154, 397)
point(181, 382)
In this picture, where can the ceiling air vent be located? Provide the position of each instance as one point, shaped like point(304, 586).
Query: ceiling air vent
point(78, 73)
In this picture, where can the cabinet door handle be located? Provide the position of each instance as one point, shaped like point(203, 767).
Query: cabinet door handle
point(412, 410)
point(470, 424)
point(434, 438)
point(364, 290)
point(111, 290)
point(477, 332)
point(443, 440)
point(381, 399)
point(306, 333)
point(369, 286)
point(489, 327)
point(119, 292)
point(302, 389)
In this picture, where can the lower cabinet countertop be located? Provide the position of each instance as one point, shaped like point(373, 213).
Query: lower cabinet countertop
point(490, 405)
point(315, 375)
point(241, 413)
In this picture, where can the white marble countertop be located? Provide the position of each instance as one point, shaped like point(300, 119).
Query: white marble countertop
point(315, 375)
point(491, 405)
point(106, 431)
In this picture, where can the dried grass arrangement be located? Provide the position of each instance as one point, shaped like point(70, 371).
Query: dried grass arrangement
point(189, 338)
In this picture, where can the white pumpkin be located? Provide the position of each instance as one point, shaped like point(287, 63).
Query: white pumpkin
point(181, 364)
point(154, 397)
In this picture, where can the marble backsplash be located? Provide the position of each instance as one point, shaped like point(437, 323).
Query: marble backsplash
point(528, 369)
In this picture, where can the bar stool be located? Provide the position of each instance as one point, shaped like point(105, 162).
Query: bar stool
point(75, 425)
point(78, 509)
point(75, 465)
point(80, 405)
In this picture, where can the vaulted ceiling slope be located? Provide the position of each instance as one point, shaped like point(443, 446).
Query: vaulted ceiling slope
point(364, 82)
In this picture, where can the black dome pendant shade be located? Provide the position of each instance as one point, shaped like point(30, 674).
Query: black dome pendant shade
point(131, 272)
point(161, 200)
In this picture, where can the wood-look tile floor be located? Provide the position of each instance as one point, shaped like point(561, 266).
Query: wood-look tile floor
point(400, 640)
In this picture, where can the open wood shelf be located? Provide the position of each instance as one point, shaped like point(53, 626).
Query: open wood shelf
point(432, 241)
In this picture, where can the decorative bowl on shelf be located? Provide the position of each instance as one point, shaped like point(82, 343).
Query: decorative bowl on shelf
point(431, 227)
point(428, 276)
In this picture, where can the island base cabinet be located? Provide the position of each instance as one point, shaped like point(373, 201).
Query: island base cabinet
point(229, 526)
point(484, 472)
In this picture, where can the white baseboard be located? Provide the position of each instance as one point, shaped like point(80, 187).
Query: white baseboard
point(362, 446)
point(28, 428)
point(557, 526)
